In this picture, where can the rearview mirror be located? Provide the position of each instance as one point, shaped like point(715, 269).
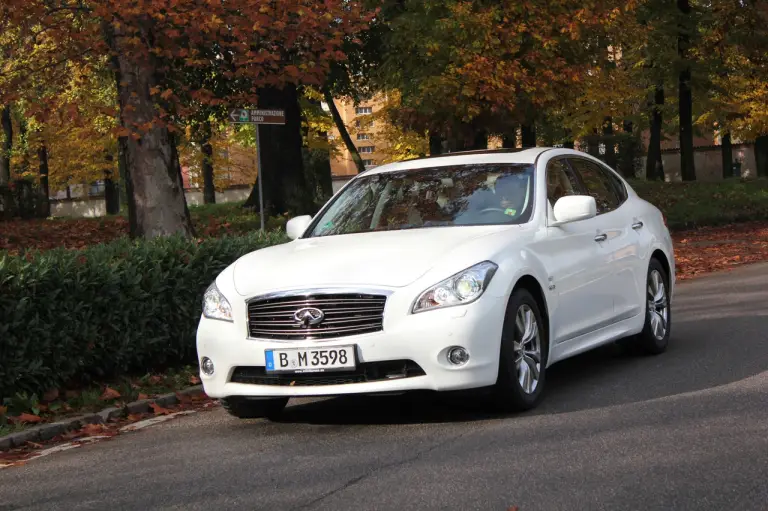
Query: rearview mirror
point(296, 226)
point(573, 208)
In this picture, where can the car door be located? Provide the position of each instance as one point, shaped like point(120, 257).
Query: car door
point(575, 262)
point(615, 238)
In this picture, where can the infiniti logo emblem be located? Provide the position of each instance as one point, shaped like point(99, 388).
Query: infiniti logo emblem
point(309, 316)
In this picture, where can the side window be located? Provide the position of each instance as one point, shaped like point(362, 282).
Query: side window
point(618, 185)
point(560, 181)
point(597, 184)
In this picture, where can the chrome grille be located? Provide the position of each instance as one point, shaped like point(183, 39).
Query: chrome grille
point(344, 314)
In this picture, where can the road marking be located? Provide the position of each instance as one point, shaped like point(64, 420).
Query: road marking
point(151, 422)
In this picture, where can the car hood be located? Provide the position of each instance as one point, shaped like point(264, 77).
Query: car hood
point(391, 259)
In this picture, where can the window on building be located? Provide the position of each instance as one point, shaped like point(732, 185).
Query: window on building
point(367, 149)
point(363, 136)
point(366, 124)
point(368, 163)
point(363, 110)
point(96, 188)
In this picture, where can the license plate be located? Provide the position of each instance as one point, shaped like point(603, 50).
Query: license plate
point(310, 360)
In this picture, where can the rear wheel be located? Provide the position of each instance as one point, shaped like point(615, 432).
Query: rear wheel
point(249, 408)
point(654, 338)
point(523, 358)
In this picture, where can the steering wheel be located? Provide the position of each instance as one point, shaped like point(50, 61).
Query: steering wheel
point(488, 210)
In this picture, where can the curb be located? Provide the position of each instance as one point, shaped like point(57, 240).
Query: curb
point(50, 430)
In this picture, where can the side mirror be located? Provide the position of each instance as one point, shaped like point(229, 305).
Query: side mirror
point(296, 226)
point(573, 208)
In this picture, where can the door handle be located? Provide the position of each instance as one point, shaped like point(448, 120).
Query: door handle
point(637, 225)
point(601, 237)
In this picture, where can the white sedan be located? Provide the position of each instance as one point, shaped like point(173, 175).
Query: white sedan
point(474, 270)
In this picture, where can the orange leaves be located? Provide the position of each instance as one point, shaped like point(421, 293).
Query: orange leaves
point(159, 410)
point(109, 394)
point(27, 418)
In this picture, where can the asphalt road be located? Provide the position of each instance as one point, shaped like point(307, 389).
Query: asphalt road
point(685, 430)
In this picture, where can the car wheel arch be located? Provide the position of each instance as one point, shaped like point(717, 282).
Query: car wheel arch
point(533, 286)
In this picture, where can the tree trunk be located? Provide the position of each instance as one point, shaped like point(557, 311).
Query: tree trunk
point(342, 129)
point(761, 155)
point(626, 156)
point(45, 203)
point(687, 169)
point(528, 135)
point(151, 159)
point(5, 149)
point(480, 140)
point(209, 190)
point(727, 153)
point(610, 143)
point(509, 139)
point(435, 144)
point(122, 169)
point(111, 187)
point(654, 167)
point(285, 186)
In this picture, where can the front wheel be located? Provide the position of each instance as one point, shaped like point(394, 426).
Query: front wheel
point(245, 408)
point(654, 338)
point(523, 357)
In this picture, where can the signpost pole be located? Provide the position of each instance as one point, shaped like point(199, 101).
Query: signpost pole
point(256, 117)
point(259, 177)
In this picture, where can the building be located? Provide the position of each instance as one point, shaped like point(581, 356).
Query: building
point(365, 130)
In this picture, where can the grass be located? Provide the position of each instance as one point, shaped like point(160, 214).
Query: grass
point(696, 204)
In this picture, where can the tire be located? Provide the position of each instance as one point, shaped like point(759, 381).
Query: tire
point(245, 408)
point(509, 394)
point(654, 338)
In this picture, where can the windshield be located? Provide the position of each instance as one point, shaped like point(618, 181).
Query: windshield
point(476, 194)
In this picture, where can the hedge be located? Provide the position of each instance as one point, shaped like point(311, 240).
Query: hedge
point(72, 316)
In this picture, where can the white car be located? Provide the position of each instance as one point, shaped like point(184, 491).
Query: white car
point(474, 270)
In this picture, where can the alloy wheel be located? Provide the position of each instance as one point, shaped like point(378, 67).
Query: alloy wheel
point(658, 305)
point(527, 347)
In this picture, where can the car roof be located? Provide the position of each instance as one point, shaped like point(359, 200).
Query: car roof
point(524, 156)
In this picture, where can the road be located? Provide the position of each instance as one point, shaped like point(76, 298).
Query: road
point(685, 430)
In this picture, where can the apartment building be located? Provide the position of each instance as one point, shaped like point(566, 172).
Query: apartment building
point(365, 132)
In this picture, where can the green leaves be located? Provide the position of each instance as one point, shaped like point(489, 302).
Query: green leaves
point(71, 316)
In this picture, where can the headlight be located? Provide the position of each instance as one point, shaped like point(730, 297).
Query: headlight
point(215, 306)
point(460, 289)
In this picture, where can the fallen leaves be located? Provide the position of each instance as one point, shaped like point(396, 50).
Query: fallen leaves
point(26, 418)
point(103, 431)
point(158, 409)
point(712, 249)
point(109, 394)
point(194, 380)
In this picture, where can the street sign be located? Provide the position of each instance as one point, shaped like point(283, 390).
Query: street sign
point(257, 116)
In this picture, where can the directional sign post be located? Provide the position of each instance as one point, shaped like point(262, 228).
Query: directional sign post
point(256, 117)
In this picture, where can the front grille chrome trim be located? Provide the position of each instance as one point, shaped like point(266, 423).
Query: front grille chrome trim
point(340, 323)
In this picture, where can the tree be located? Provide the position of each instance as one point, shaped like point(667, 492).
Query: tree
point(7, 145)
point(153, 42)
point(686, 27)
point(464, 68)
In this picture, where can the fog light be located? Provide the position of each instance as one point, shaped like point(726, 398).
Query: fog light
point(206, 365)
point(458, 356)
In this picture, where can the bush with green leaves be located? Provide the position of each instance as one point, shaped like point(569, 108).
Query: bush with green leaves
point(72, 316)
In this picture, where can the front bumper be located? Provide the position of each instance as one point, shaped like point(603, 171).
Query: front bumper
point(422, 338)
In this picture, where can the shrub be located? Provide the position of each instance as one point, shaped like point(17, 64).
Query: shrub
point(698, 204)
point(68, 316)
